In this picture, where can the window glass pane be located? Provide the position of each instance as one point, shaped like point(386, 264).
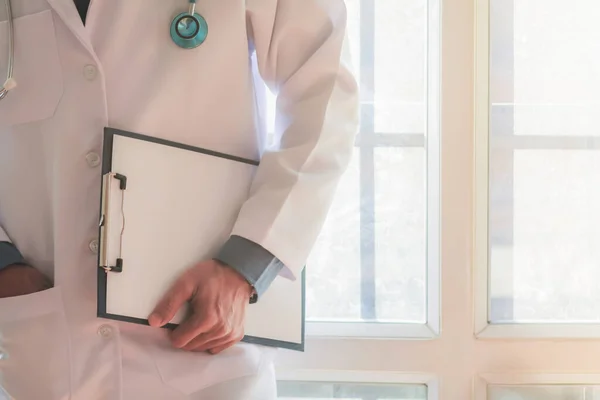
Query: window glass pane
point(349, 391)
point(541, 393)
point(544, 221)
point(400, 213)
point(400, 53)
point(333, 270)
point(544, 76)
point(369, 263)
point(549, 268)
point(384, 282)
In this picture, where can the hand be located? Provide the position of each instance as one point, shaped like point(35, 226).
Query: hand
point(19, 280)
point(218, 297)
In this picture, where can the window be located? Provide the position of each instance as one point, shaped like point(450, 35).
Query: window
point(543, 393)
point(542, 169)
point(333, 385)
point(536, 218)
point(517, 147)
point(375, 269)
point(543, 162)
point(538, 387)
point(327, 391)
point(368, 274)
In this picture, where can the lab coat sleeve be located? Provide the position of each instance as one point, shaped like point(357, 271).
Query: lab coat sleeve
point(302, 55)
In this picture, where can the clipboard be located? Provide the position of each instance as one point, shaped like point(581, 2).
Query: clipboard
point(166, 206)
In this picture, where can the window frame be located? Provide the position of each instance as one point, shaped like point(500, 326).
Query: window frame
point(367, 141)
point(484, 381)
point(460, 357)
point(484, 327)
point(366, 377)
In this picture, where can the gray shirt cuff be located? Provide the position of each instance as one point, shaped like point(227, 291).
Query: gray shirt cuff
point(252, 261)
point(9, 255)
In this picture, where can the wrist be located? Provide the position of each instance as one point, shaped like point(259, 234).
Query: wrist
point(13, 266)
point(236, 278)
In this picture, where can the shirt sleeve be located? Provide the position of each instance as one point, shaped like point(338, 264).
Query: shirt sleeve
point(303, 57)
point(9, 254)
point(3, 236)
point(256, 264)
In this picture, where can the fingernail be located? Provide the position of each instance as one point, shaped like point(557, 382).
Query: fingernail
point(155, 320)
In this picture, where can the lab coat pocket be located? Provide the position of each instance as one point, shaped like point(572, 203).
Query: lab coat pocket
point(34, 347)
point(37, 70)
point(190, 372)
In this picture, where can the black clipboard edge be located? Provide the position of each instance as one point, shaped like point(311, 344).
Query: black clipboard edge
point(117, 132)
point(107, 150)
point(109, 134)
point(247, 339)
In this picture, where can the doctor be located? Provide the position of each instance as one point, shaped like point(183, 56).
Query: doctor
point(137, 65)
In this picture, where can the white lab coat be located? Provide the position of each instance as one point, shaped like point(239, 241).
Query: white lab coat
point(122, 70)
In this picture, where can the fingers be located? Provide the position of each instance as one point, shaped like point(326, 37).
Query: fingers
point(218, 302)
point(197, 325)
point(223, 347)
point(217, 337)
point(175, 298)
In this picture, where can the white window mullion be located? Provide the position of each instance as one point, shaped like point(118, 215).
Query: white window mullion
point(434, 184)
point(481, 192)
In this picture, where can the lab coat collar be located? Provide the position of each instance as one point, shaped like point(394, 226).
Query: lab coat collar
point(67, 11)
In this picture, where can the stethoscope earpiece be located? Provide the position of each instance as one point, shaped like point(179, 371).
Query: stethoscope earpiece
point(189, 29)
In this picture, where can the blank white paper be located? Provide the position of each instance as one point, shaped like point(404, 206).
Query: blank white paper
point(179, 208)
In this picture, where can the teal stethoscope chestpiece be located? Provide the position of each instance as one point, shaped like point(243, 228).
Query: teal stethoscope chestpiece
point(189, 30)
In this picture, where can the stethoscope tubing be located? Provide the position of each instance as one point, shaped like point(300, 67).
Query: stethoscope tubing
point(189, 42)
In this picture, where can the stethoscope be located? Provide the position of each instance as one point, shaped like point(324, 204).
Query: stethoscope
point(188, 30)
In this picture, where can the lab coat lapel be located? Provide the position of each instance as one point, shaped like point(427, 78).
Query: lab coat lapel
point(67, 11)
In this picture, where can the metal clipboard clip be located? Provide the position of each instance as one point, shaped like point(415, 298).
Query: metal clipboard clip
point(105, 222)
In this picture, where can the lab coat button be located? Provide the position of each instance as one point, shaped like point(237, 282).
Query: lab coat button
point(93, 159)
point(106, 331)
point(89, 71)
point(94, 246)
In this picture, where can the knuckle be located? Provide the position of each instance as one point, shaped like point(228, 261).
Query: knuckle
point(213, 320)
point(168, 307)
point(223, 330)
point(184, 286)
point(170, 303)
point(205, 326)
point(196, 322)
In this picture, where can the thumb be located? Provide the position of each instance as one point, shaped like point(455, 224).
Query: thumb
point(172, 301)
